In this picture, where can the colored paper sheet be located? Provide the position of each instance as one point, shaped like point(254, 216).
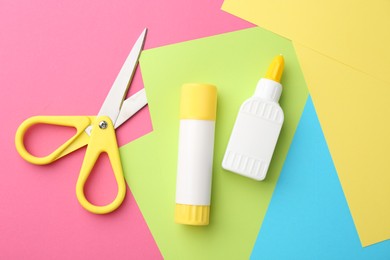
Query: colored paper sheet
point(353, 109)
point(343, 49)
point(352, 32)
point(61, 58)
point(308, 217)
point(234, 62)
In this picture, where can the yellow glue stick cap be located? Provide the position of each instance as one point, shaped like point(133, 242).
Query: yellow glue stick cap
point(275, 70)
point(195, 215)
point(198, 101)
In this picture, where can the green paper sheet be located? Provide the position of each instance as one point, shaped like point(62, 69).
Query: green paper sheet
point(234, 62)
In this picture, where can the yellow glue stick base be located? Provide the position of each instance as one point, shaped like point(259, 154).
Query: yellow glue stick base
point(192, 214)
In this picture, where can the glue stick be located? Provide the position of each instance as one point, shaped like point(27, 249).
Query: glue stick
point(198, 106)
point(257, 127)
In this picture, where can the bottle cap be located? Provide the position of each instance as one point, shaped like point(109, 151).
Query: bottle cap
point(269, 87)
point(198, 101)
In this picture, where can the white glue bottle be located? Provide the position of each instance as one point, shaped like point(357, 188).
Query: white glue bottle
point(198, 106)
point(257, 127)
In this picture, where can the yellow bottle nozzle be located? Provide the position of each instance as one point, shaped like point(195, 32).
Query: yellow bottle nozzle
point(275, 70)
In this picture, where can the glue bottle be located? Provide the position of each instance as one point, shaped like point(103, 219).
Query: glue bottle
point(257, 127)
point(198, 106)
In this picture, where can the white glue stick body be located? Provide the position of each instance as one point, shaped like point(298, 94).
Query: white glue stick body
point(198, 107)
point(257, 127)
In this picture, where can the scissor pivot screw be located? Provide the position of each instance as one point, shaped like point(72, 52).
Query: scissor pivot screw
point(103, 125)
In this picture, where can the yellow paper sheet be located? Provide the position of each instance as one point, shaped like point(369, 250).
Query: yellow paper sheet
point(344, 50)
point(356, 33)
point(355, 113)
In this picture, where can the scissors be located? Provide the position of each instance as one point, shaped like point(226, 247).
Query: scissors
point(97, 132)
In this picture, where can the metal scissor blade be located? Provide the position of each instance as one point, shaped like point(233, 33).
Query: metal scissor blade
point(113, 102)
point(131, 106)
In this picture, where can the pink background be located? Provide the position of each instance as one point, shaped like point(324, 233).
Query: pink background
point(60, 58)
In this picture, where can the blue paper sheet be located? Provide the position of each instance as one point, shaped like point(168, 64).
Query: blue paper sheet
point(308, 217)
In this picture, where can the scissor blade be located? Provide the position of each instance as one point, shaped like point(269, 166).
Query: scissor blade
point(131, 106)
point(113, 102)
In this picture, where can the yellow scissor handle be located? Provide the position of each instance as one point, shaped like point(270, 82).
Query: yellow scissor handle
point(102, 139)
point(75, 142)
